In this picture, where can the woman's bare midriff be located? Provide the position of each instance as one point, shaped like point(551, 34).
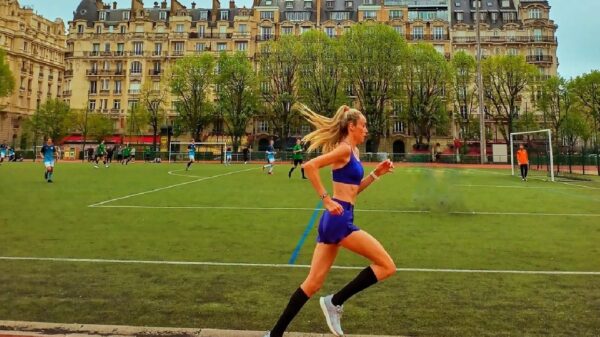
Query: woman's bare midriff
point(345, 192)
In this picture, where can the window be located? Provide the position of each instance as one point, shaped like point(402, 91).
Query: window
point(179, 28)
point(417, 33)
point(535, 13)
point(157, 48)
point(243, 28)
point(241, 46)
point(297, 16)
point(199, 47)
point(79, 28)
point(95, 48)
point(111, 29)
point(134, 88)
point(126, 15)
point(106, 65)
point(367, 2)
point(263, 126)
point(304, 29)
point(102, 16)
point(505, 3)
point(221, 46)
point(494, 17)
point(287, 30)
point(339, 16)
point(156, 86)
point(136, 67)
point(133, 103)
point(93, 87)
point(224, 15)
point(92, 105)
point(330, 31)
point(513, 51)
point(117, 104)
point(266, 15)
point(438, 33)
point(459, 16)
point(138, 48)
point(201, 31)
point(178, 48)
point(103, 104)
point(398, 127)
point(395, 14)
point(162, 16)
point(203, 15)
point(399, 30)
point(369, 15)
point(307, 4)
point(329, 4)
point(123, 29)
point(348, 4)
point(117, 87)
point(476, 3)
point(509, 17)
point(107, 47)
point(98, 29)
point(289, 4)
point(265, 32)
point(537, 35)
point(156, 67)
point(120, 48)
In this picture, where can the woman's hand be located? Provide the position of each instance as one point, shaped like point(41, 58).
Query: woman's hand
point(332, 206)
point(384, 167)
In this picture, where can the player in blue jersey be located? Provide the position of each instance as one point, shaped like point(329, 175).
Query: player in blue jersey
point(228, 156)
point(270, 157)
point(48, 154)
point(191, 154)
point(2, 152)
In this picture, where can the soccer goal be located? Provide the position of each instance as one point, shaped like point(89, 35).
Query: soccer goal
point(178, 151)
point(538, 144)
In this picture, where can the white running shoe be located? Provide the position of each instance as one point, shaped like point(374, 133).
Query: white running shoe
point(268, 334)
point(333, 315)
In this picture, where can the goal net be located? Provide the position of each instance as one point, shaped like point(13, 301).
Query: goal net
point(538, 144)
point(178, 151)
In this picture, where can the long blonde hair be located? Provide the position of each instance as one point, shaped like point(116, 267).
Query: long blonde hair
point(329, 130)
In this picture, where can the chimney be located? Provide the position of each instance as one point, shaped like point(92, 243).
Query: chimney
point(136, 7)
point(114, 5)
point(216, 5)
point(231, 4)
point(193, 5)
point(156, 4)
point(163, 4)
point(99, 5)
point(176, 6)
point(255, 3)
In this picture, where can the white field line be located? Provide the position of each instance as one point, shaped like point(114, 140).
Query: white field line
point(168, 187)
point(183, 175)
point(303, 266)
point(519, 186)
point(355, 210)
point(582, 186)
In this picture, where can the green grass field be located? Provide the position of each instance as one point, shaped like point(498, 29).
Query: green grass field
point(467, 220)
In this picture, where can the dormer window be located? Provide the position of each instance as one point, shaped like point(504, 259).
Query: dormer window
point(203, 15)
point(348, 4)
point(79, 28)
point(224, 15)
point(126, 15)
point(307, 4)
point(102, 16)
point(162, 16)
point(268, 2)
point(268, 15)
point(329, 4)
point(289, 4)
point(535, 13)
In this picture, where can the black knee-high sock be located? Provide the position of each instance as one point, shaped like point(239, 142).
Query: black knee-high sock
point(189, 163)
point(292, 169)
point(362, 281)
point(302, 170)
point(297, 301)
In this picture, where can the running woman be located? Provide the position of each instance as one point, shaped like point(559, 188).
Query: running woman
point(48, 153)
point(297, 159)
point(270, 157)
point(338, 137)
point(191, 154)
point(101, 154)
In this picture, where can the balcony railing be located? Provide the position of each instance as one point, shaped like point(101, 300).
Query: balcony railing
point(154, 72)
point(506, 39)
point(206, 35)
point(105, 92)
point(426, 37)
point(159, 53)
point(265, 37)
point(66, 93)
point(135, 72)
point(117, 92)
point(177, 53)
point(539, 58)
point(134, 91)
point(116, 111)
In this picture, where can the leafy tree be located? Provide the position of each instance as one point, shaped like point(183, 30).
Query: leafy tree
point(100, 126)
point(586, 93)
point(554, 101)
point(464, 71)
point(321, 79)
point(52, 119)
point(137, 120)
point(152, 106)
point(372, 55)
point(238, 94)
point(7, 81)
point(191, 80)
point(506, 78)
point(279, 63)
point(426, 78)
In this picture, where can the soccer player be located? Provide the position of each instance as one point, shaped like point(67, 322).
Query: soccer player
point(297, 159)
point(48, 153)
point(126, 152)
point(131, 154)
point(246, 153)
point(228, 156)
point(523, 160)
point(338, 137)
point(2, 152)
point(270, 157)
point(101, 154)
point(191, 154)
point(109, 155)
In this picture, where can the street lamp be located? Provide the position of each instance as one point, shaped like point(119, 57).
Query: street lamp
point(482, 135)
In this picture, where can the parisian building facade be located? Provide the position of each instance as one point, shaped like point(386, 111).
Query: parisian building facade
point(110, 53)
point(35, 51)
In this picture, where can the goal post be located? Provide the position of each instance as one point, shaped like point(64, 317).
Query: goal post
point(546, 135)
point(206, 151)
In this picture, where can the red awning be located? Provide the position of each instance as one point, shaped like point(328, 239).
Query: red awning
point(114, 139)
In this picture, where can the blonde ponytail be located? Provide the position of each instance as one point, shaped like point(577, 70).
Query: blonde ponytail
point(329, 130)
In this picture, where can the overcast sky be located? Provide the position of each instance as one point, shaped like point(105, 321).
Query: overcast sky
point(578, 27)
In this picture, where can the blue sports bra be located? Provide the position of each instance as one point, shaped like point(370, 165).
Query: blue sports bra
point(352, 173)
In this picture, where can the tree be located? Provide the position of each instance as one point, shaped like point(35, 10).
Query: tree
point(464, 74)
point(554, 102)
point(52, 119)
point(426, 75)
point(137, 120)
point(372, 56)
point(100, 126)
point(574, 128)
point(279, 70)
point(7, 81)
point(505, 80)
point(586, 92)
point(238, 94)
point(191, 80)
point(321, 80)
point(152, 105)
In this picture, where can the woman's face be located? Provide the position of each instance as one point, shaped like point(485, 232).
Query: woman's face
point(359, 131)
